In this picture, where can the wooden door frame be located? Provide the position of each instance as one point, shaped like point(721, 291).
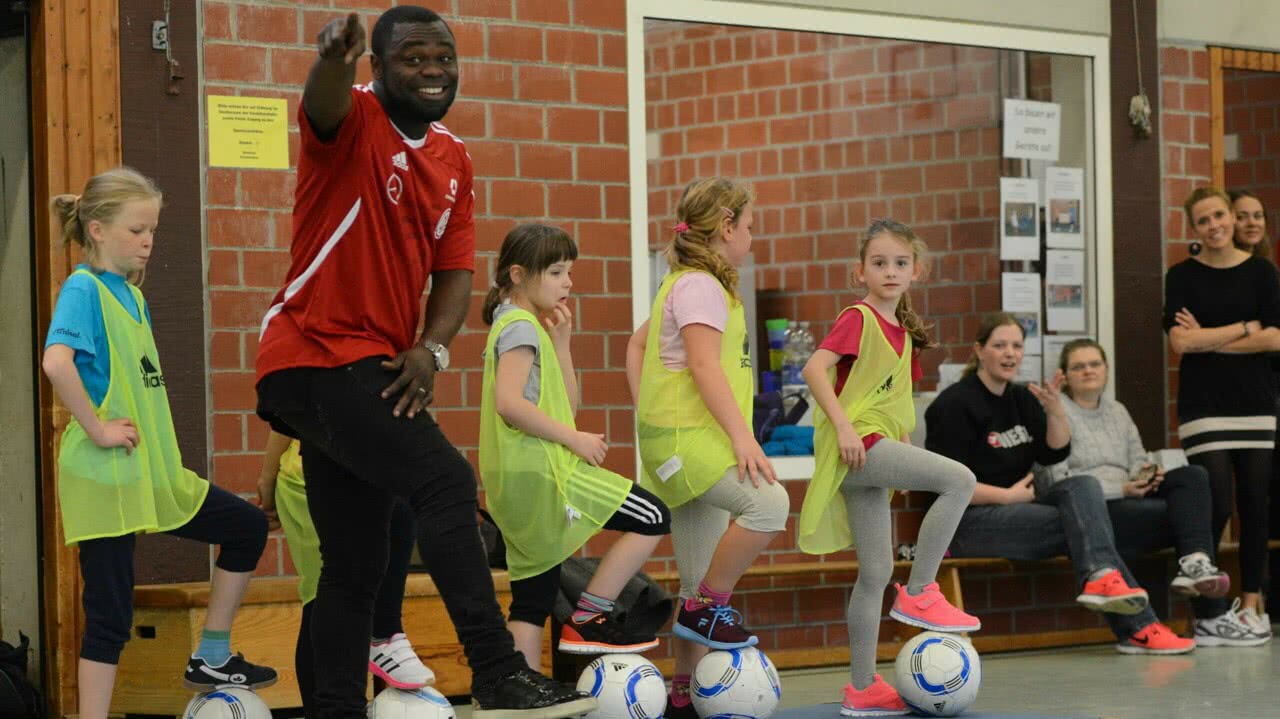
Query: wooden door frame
point(75, 107)
point(1226, 58)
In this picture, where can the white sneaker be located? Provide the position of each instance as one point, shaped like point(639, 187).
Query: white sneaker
point(1198, 576)
point(1261, 625)
point(1227, 630)
point(395, 663)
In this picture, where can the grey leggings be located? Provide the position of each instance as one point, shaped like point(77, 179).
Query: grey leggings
point(698, 525)
point(894, 465)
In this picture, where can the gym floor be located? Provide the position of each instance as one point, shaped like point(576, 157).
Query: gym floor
point(1097, 681)
point(1094, 681)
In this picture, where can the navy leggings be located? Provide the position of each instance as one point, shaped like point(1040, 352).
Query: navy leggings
point(106, 565)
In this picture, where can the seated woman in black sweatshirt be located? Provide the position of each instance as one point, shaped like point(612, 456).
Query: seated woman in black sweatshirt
point(999, 430)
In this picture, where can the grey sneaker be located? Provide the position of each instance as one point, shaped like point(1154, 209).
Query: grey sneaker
point(1197, 576)
point(1227, 630)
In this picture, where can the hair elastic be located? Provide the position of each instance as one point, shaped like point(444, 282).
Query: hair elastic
point(681, 227)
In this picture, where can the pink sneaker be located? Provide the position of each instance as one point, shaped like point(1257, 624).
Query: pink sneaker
point(1110, 593)
point(930, 610)
point(877, 700)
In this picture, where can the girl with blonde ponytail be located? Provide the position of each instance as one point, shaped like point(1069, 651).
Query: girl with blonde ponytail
point(861, 376)
point(690, 371)
point(120, 453)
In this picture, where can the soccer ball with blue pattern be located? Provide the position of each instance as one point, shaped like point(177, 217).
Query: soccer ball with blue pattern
point(938, 674)
point(627, 686)
point(229, 703)
point(735, 684)
point(424, 703)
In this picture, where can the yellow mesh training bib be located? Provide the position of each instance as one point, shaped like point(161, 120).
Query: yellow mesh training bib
point(877, 399)
point(295, 519)
point(683, 448)
point(547, 500)
point(109, 492)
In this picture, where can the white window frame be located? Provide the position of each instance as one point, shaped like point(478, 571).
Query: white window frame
point(1099, 288)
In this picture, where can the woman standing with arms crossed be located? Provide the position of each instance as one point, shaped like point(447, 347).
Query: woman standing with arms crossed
point(1221, 311)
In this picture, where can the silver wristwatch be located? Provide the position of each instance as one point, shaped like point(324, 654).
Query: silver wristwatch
point(440, 352)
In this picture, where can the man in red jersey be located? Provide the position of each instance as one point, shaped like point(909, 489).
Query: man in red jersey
point(384, 201)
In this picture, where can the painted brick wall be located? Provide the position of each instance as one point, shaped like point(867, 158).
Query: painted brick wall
point(832, 132)
point(1184, 137)
point(1251, 103)
point(542, 108)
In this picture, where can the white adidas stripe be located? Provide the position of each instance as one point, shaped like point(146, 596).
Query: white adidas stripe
point(301, 280)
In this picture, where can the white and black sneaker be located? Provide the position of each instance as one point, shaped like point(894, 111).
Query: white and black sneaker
point(235, 672)
point(1227, 630)
point(395, 663)
point(1198, 576)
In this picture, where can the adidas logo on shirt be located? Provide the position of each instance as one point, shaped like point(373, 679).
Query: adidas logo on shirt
point(401, 161)
point(151, 376)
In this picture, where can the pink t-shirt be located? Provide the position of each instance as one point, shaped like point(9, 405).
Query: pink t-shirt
point(696, 298)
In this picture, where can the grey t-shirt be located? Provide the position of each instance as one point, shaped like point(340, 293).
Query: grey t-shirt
point(521, 333)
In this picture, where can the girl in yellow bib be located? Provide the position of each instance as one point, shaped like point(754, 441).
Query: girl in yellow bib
point(861, 376)
point(542, 477)
point(119, 469)
point(690, 371)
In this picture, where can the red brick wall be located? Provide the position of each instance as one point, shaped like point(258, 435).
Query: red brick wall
point(1251, 103)
point(1184, 136)
point(832, 132)
point(542, 108)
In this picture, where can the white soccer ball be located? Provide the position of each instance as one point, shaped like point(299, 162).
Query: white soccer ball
point(229, 703)
point(735, 684)
point(938, 674)
point(627, 686)
point(424, 703)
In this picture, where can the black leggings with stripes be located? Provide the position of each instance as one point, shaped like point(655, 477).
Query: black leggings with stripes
point(1251, 470)
point(641, 513)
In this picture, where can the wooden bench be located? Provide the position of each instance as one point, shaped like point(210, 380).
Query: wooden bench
point(168, 620)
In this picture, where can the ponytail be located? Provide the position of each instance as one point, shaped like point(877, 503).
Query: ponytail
point(104, 195)
point(990, 323)
point(704, 207)
point(531, 247)
point(905, 313)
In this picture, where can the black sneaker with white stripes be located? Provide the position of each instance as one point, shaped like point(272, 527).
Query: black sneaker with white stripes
point(235, 672)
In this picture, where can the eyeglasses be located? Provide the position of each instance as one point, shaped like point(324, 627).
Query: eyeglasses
point(1082, 366)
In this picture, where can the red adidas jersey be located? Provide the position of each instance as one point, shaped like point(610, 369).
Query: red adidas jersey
point(374, 214)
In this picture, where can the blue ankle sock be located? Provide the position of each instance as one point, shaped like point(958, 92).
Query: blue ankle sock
point(215, 647)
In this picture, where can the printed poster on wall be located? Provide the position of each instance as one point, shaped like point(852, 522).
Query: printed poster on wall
point(1064, 291)
point(1064, 207)
point(1019, 219)
point(1032, 130)
point(248, 132)
point(1020, 297)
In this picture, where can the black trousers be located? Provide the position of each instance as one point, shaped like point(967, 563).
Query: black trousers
point(1251, 471)
point(106, 565)
point(387, 619)
point(358, 458)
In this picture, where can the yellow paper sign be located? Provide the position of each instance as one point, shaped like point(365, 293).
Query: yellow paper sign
point(248, 132)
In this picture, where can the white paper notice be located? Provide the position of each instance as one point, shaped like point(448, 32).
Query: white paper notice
point(1020, 296)
point(1019, 219)
point(1053, 345)
point(1064, 291)
point(1032, 130)
point(1064, 201)
point(948, 374)
point(1029, 370)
